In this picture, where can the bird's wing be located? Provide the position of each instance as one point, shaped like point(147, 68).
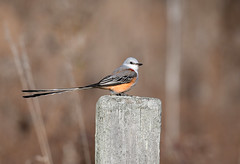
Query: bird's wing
point(120, 76)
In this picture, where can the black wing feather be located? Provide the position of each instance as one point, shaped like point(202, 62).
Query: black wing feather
point(121, 77)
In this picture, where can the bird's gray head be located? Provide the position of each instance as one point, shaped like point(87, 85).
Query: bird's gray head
point(132, 63)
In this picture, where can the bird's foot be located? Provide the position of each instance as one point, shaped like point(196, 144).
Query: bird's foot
point(122, 94)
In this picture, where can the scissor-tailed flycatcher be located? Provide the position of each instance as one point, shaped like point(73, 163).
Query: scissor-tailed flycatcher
point(119, 82)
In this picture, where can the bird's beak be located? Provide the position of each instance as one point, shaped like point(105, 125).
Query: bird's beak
point(139, 64)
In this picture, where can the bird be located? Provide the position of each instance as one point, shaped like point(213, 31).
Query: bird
point(120, 81)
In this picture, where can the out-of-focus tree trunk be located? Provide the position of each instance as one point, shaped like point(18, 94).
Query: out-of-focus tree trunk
point(173, 71)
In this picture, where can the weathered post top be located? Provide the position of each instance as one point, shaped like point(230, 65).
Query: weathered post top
point(128, 130)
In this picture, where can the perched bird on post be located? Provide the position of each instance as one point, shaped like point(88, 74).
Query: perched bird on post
point(120, 81)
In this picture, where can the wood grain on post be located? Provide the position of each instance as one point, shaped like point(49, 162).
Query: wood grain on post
point(127, 130)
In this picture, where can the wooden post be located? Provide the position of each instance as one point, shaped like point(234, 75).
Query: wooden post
point(128, 130)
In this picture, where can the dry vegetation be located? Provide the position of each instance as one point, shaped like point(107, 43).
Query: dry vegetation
point(80, 41)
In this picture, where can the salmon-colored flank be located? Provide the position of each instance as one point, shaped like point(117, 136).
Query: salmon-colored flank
point(122, 87)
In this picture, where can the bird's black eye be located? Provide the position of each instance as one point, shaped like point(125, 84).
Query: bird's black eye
point(131, 62)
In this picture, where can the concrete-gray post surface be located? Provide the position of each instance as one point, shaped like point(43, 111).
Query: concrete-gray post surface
point(127, 130)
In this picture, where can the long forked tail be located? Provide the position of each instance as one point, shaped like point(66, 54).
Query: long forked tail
point(43, 92)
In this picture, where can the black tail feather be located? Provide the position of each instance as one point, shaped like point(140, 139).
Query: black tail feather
point(55, 91)
point(42, 94)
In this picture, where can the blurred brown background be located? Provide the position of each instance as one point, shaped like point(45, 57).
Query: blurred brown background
point(81, 41)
